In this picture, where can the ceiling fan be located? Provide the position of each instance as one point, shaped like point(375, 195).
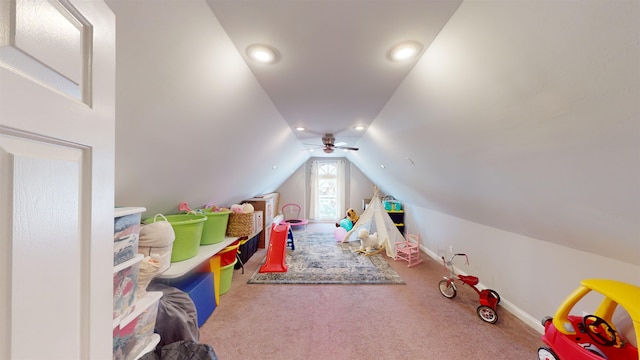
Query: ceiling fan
point(329, 145)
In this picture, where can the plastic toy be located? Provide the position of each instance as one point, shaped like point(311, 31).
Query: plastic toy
point(291, 213)
point(349, 220)
point(593, 336)
point(277, 251)
point(488, 298)
point(339, 233)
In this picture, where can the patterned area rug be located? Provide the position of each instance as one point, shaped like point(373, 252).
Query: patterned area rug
point(320, 259)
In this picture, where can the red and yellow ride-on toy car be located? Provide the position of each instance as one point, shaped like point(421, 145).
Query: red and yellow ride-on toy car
point(594, 336)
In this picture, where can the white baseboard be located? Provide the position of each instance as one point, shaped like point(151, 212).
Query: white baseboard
point(504, 303)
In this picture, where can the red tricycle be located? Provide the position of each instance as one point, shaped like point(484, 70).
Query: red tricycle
point(488, 298)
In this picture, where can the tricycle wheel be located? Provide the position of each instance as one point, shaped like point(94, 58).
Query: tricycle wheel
point(447, 289)
point(495, 295)
point(546, 354)
point(487, 314)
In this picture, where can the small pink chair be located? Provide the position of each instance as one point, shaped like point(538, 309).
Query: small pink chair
point(409, 250)
point(291, 214)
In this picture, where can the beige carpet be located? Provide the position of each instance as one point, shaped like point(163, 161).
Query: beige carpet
point(412, 321)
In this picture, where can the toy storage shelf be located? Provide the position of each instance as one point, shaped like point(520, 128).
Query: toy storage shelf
point(205, 252)
point(268, 204)
point(398, 219)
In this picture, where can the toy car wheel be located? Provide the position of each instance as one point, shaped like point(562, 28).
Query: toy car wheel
point(495, 295)
point(447, 289)
point(487, 314)
point(546, 354)
point(545, 320)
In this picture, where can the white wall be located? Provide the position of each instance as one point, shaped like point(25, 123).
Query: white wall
point(532, 276)
point(294, 190)
point(192, 122)
point(360, 188)
point(523, 116)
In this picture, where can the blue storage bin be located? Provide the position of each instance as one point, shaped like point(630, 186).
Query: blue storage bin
point(392, 205)
point(200, 289)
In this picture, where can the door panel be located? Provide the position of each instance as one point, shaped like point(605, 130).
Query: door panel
point(49, 42)
point(57, 138)
point(46, 190)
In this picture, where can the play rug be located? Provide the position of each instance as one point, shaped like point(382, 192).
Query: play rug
point(319, 259)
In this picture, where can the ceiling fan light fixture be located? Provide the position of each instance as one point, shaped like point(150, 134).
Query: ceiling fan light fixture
point(263, 53)
point(404, 51)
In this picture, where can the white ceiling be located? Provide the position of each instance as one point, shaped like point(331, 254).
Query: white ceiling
point(333, 73)
point(503, 122)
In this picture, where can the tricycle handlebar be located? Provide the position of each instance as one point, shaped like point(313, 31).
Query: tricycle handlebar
point(453, 256)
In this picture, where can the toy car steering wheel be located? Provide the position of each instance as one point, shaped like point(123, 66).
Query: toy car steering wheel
point(599, 330)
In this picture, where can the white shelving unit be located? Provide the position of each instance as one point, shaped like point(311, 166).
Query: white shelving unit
point(205, 252)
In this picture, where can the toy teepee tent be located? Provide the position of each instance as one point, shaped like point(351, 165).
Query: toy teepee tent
point(376, 219)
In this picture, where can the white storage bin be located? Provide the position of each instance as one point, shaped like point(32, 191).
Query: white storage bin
point(150, 346)
point(117, 344)
point(136, 329)
point(125, 285)
point(126, 229)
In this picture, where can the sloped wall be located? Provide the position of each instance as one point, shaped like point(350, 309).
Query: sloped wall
point(516, 138)
point(192, 122)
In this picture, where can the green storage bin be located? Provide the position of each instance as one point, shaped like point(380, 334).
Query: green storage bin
point(215, 227)
point(188, 229)
point(226, 275)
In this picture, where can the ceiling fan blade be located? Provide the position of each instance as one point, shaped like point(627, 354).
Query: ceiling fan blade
point(347, 148)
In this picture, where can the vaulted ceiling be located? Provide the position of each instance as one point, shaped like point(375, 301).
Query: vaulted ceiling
point(333, 72)
point(519, 115)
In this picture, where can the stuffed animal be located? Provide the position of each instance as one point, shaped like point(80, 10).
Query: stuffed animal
point(348, 221)
point(369, 243)
point(237, 209)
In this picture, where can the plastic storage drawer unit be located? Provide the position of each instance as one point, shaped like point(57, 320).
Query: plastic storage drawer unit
point(126, 229)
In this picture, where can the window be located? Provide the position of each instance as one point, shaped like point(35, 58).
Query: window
point(327, 190)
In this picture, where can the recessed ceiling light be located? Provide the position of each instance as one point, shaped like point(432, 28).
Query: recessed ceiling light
point(300, 128)
point(263, 53)
point(359, 127)
point(404, 51)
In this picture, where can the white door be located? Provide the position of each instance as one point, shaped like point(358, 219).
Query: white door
point(57, 122)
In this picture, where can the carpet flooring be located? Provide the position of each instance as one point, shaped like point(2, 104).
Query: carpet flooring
point(319, 259)
point(361, 322)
